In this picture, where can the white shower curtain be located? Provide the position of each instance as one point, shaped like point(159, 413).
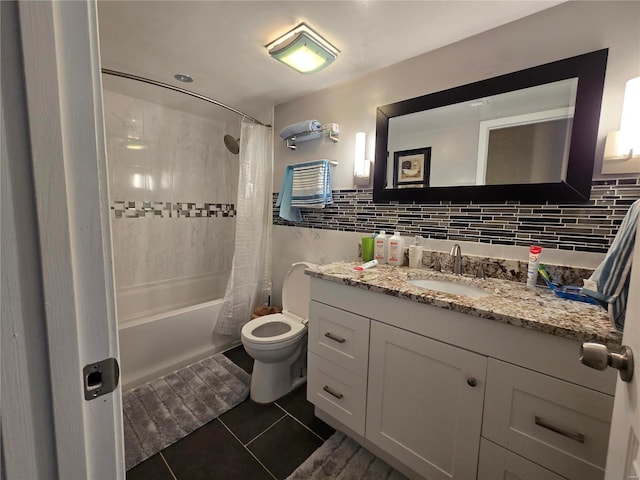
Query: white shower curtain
point(249, 284)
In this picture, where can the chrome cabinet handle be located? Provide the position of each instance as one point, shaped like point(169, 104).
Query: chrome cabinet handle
point(334, 337)
point(576, 436)
point(332, 392)
point(598, 356)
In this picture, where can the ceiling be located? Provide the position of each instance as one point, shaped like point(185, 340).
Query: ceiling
point(221, 43)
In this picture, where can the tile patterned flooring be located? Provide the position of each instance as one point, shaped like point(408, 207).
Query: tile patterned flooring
point(250, 441)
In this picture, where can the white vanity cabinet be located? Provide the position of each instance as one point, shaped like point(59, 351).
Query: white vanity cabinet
point(441, 394)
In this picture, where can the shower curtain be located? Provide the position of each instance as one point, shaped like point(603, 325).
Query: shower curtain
point(249, 284)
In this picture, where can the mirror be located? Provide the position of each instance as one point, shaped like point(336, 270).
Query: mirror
point(528, 135)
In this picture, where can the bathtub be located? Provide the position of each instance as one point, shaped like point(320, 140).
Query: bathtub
point(156, 344)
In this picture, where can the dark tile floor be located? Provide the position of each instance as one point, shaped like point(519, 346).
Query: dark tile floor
point(248, 442)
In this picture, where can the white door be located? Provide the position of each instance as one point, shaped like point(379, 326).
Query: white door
point(623, 460)
point(63, 89)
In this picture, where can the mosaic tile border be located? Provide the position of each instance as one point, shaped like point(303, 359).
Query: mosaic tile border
point(146, 209)
point(588, 227)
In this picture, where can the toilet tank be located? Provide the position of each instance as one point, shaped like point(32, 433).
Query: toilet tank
point(295, 290)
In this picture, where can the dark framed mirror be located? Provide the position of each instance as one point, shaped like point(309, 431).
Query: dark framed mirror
point(528, 136)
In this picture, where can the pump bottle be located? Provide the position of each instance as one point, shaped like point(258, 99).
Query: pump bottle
point(396, 250)
point(415, 253)
point(380, 249)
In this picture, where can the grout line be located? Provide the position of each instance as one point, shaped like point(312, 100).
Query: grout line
point(265, 430)
point(167, 464)
point(305, 426)
point(250, 452)
point(300, 421)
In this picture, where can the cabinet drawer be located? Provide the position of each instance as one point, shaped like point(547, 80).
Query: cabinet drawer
point(340, 337)
point(497, 463)
point(559, 425)
point(338, 392)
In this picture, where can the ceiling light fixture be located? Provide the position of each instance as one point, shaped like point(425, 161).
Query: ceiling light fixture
point(303, 49)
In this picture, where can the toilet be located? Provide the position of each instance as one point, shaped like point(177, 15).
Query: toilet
point(278, 342)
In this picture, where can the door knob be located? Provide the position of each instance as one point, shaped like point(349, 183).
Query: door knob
point(598, 356)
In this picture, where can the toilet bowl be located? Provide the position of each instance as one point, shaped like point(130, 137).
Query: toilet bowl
point(278, 342)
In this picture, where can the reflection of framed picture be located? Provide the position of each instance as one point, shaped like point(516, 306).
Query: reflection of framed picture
point(411, 167)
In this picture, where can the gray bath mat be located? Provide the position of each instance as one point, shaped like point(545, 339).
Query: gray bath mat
point(163, 411)
point(342, 458)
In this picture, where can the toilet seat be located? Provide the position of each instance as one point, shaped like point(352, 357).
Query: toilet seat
point(296, 329)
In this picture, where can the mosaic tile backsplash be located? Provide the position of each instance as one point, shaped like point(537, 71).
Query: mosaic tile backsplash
point(588, 227)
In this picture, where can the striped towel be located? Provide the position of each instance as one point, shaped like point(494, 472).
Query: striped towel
point(312, 184)
point(286, 211)
point(609, 284)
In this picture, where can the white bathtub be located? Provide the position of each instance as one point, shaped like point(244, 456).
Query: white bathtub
point(155, 345)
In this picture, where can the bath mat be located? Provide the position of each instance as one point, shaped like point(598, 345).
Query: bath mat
point(342, 458)
point(165, 410)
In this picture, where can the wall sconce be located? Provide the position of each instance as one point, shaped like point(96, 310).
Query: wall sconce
point(303, 49)
point(361, 166)
point(622, 147)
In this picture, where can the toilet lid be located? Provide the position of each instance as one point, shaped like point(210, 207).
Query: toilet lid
point(272, 329)
point(295, 290)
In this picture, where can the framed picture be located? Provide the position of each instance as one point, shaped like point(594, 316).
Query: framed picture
point(411, 167)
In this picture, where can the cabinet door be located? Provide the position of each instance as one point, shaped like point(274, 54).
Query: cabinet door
point(425, 402)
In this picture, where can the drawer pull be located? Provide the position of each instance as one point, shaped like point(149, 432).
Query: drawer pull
point(578, 437)
point(330, 391)
point(335, 338)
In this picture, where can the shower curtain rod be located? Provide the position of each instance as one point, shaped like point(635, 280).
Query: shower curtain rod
point(115, 73)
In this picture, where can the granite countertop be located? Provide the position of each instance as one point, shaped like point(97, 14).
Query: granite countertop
point(508, 302)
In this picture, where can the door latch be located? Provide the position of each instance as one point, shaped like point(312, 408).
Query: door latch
point(100, 378)
point(598, 356)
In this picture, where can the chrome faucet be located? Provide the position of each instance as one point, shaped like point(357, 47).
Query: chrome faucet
point(457, 259)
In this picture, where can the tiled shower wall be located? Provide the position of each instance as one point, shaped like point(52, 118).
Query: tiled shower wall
point(588, 227)
point(172, 204)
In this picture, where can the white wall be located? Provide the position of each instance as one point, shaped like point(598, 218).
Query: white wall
point(569, 29)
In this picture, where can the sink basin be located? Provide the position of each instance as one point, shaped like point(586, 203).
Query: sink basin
point(449, 287)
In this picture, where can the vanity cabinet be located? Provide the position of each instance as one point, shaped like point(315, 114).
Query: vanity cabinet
point(441, 394)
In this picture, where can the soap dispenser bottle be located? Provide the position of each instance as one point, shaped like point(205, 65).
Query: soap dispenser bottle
point(396, 250)
point(415, 253)
point(380, 249)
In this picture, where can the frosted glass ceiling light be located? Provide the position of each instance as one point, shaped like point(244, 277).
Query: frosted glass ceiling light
point(303, 49)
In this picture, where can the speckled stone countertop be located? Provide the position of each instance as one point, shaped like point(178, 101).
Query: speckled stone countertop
point(508, 302)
